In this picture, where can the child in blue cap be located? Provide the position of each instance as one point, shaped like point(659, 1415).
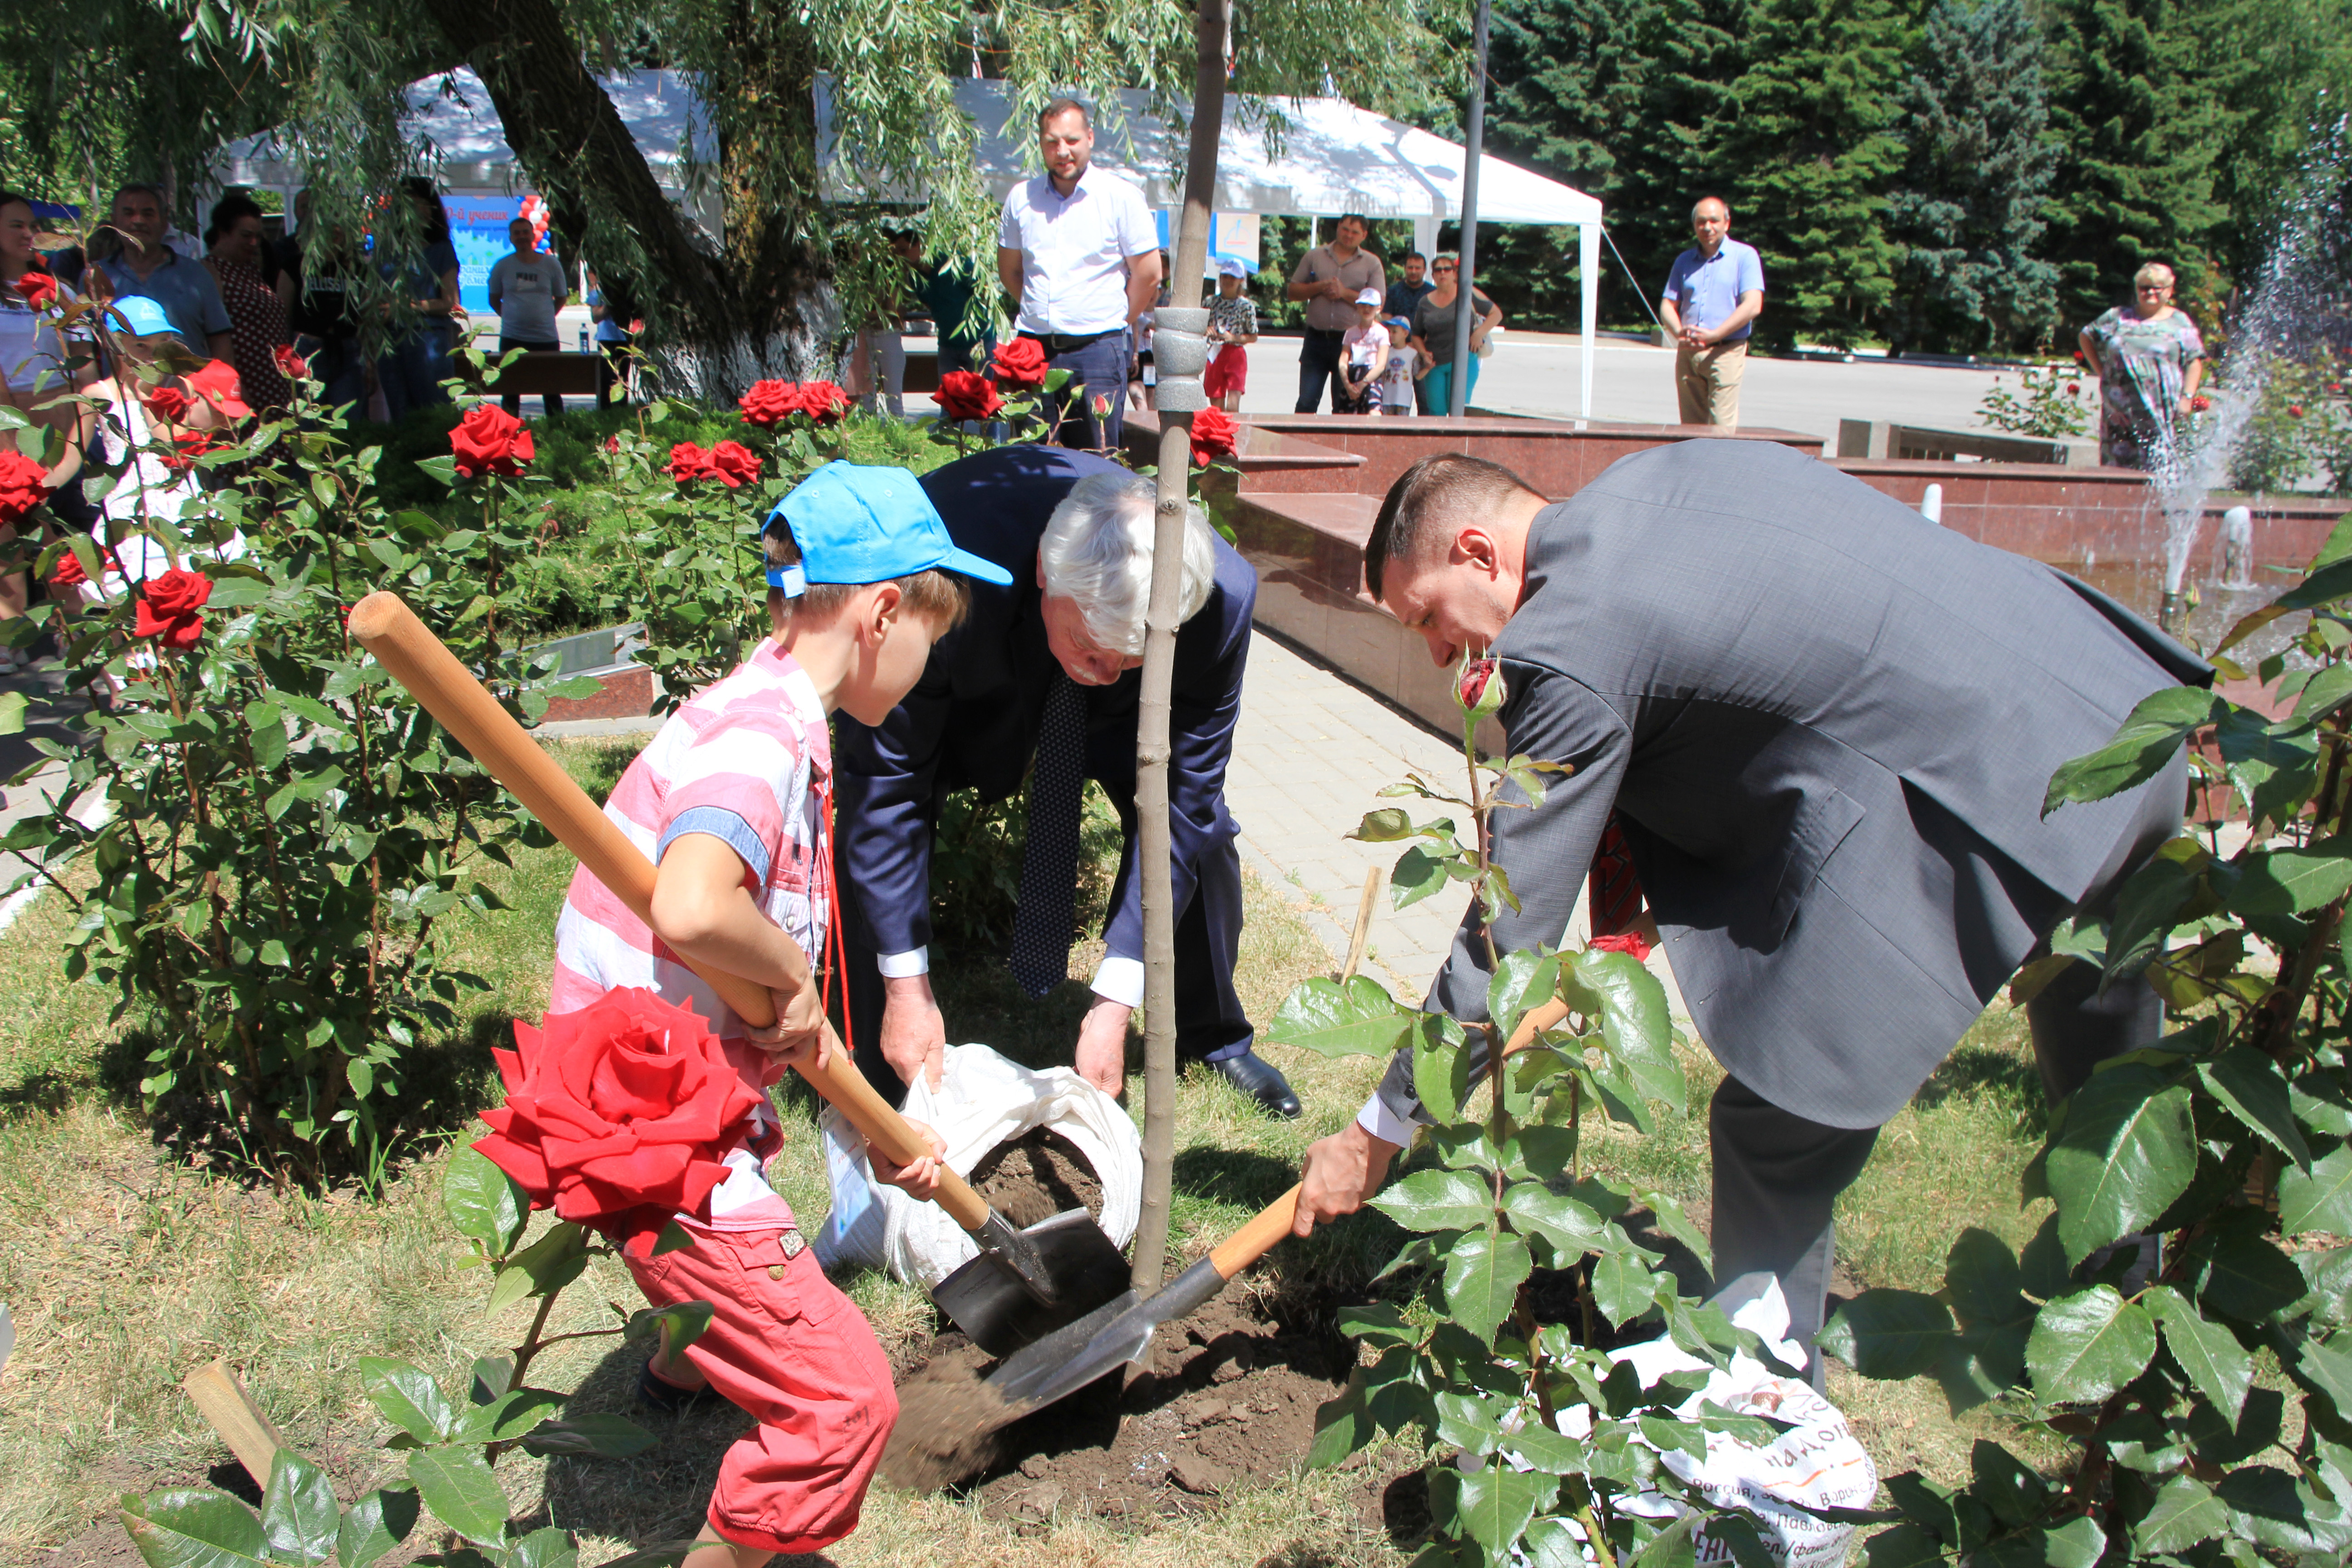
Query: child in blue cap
point(733, 803)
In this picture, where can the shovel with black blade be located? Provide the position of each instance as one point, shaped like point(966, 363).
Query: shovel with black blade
point(1025, 1283)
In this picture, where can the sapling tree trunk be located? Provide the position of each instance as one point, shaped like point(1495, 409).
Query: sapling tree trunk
point(1151, 750)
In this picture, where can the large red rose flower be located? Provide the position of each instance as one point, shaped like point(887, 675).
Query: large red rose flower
point(189, 445)
point(689, 462)
point(68, 573)
point(732, 464)
point(1020, 364)
point(168, 403)
point(40, 289)
point(1214, 436)
point(627, 1103)
point(967, 394)
point(490, 440)
point(770, 403)
point(167, 607)
point(217, 384)
point(24, 485)
point(1623, 941)
point(823, 402)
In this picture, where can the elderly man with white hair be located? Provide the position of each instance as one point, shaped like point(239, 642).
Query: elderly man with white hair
point(1047, 672)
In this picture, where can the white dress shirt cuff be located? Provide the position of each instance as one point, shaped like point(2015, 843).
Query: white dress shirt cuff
point(1384, 1124)
point(905, 965)
point(1121, 980)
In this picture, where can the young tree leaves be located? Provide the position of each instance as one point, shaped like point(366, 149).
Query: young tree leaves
point(2148, 739)
point(1439, 1200)
point(2320, 1199)
point(1360, 1019)
point(1888, 1333)
point(299, 1515)
point(408, 1398)
point(2250, 1086)
point(484, 1202)
point(194, 1528)
point(2087, 1345)
point(2210, 1355)
point(2186, 1513)
point(1484, 1272)
point(456, 1485)
point(2127, 1148)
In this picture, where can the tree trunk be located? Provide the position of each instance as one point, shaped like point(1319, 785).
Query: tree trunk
point(1151, 750)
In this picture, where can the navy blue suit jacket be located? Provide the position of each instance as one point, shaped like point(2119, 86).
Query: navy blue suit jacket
point(974, 718)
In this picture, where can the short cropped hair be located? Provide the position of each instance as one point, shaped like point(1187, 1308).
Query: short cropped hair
point(1435, 494)
point(228, 211)
point(1098, 551)
point(1718, 201)
point(2147, 275)
point(1355, 218)
point(1062, 106)
point(939, 597)
point(1416, 256)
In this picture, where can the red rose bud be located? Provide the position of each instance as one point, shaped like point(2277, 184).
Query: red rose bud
point(167, 607)
point(824, 403)
point(40, 289)
point(189, 445)
point(2074, 388)
point(2199, 403)
point(769, 402)
point(967, 394)
point(732, 464)
point(168, 403)
point(1020, 364)
point(290, 365)
point(490, 440)
point(612, 443)
point(2336, 388)
point(2295, 410)
point(1481, 689)
point(689, 462)
point(217, 384)
point(68, 574)
point(1214, 436)
point(24, 485)
point(1623, 941)
point(628, 1104)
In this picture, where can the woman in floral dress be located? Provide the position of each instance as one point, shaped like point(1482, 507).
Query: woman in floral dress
point(2149, 360)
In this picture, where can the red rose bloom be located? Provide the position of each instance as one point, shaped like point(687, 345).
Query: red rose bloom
point(612, 443)
point(689, 462)
point(2295, 410)
point(24, 485)
point(732, 464)
point(168, 403)
point(2199, 403)
point(967, 394)
point(217, 384)
point(190, 444)
point(1623, 941)
point(770, 403)
point(2074, 388)
point(1020, 364)
point(823, 402)
point(490, 440)
point(168, 606)
point(1214, 436)
point(68, 574)
point(40, 289)
point(290, 365)
point(626, 1103)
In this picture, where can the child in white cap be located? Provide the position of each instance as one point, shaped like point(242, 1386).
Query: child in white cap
point(1233, 325)
point(1364, 356)
point(1396, 381)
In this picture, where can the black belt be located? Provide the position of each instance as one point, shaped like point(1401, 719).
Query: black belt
point(1326, 333)
point(1067, 342)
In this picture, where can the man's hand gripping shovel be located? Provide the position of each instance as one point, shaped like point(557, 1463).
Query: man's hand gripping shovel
point(1025, 1283)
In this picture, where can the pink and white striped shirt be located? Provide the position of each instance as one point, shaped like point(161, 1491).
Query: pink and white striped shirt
point(748, 761)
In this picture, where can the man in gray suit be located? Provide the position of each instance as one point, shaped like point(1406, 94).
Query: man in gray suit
point(1826, 726)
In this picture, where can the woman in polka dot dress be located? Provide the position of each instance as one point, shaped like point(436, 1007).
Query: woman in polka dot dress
point(257, 320)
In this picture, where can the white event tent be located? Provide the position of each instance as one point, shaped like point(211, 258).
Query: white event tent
point(1327, 157)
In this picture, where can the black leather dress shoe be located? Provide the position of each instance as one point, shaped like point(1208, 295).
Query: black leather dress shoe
point(1261, 1081)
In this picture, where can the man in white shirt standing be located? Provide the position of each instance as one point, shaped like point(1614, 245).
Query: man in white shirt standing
point(527, 288)
point(1079, 253)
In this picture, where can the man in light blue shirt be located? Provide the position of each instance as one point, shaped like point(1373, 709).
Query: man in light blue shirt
point(146, 266)
point(1714, 295)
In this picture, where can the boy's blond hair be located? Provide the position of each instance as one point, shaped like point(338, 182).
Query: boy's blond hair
point(939, 597)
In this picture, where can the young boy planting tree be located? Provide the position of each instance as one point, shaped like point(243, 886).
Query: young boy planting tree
point(733, 803)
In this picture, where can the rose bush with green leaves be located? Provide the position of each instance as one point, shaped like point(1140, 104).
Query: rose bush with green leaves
point(1463, 1361)
point(2205, 1406)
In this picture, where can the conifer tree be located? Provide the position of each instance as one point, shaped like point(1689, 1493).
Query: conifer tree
point(1967, 213)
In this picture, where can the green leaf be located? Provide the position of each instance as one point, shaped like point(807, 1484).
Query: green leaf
point(2250, 1086)
point(2127, 1148)
point(457, 1488)
point(1886, 1333)
point(484, 1202)
point(1495, 1505)
point(1623, 1285)
point(1440, 1074)
point(549, 1264)
point(2087, 1345)
point(374, 1526)
point(2014, 1492)
point(1670, 1548)
point(510, 1414)
point(408, 1399)
point(2321, 1199)
point(607, 1437)
point(2152, 900)
point(674, 1238)
point(1570, 1228)
point(2326, 583)
point(1439, 1200)
point(2328, 1370)
point(1483, 1275)
point(1983, 1282)
point(492, 1376)
point(2078, 1543)
point(2145, 743)
point(1468, 1422)
point(1676, 1224)
point(12, 713)
point(443, 468)
point(1385, 826)
point(1523, 979)
point(299, 1514)
point(2209, 1353)
point(2185, 1513)
point(2293, 882)
point(1418, 875)
point(1904, 1546)
point(1342, 1426)
point(1630, 1006)
point(546, 1548)
point(684, 1321)
point(1362, 1019)
point(194, 1528)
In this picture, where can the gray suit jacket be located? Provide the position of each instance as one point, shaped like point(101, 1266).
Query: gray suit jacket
point(1827, 725)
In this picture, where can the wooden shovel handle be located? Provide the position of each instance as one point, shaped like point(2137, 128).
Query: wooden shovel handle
point(1271, 1223)
point(386, 626)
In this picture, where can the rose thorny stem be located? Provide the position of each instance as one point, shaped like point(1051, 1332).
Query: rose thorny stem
point(1151, 750)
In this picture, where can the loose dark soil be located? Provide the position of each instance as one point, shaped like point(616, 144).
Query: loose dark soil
point(1230, 1401)
point(1035, 1176)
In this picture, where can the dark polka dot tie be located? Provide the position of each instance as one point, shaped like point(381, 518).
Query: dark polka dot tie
point(1041, 924)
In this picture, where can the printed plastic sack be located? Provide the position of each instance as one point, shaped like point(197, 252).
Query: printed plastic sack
point(982, 1100)
point(1818, 1462)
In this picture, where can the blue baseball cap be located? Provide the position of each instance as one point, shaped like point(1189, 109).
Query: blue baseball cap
point(142, 316)
point(856, 523)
